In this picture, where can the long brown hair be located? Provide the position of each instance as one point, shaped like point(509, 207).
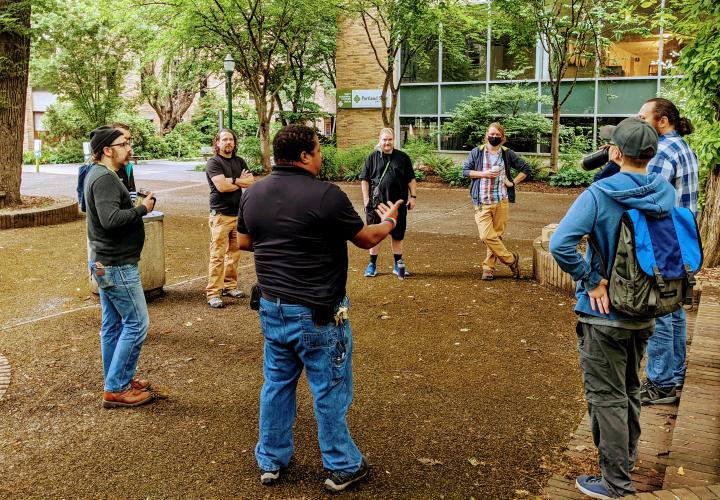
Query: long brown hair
point(665, 107)
point(217, 138)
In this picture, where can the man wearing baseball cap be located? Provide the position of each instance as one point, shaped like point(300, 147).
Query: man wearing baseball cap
point(116, 235)
point(611, 344)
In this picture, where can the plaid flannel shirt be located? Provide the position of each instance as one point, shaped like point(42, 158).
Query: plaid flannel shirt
point(678, 164)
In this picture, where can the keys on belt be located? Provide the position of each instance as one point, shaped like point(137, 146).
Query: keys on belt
point(341, 316)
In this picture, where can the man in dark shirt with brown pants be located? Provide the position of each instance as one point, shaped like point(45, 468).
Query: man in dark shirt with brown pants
point(298, 228)
point(227, 174)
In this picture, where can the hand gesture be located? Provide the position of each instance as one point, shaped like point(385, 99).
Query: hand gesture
point(599, 298)
point(384, 210)
point(149, 202)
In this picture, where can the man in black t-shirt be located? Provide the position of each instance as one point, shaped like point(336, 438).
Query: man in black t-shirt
point(388, 176)
point(298, 228)
point(227, 174)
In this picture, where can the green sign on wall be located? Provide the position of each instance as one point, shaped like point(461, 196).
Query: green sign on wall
point(358, 98)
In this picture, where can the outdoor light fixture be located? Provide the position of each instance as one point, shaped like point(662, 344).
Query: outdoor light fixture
point(229, 66)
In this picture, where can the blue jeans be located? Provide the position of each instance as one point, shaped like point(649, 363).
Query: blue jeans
point(666, 351)
point(125, 323)
point(293, 341)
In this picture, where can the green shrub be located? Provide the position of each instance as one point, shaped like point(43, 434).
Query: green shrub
point(146, 140)
point(63, 121)
point(70, 151)
point(184, 141)
point(329, 170)
point(571, 177)
point(350, 162)
point(575, 142)
point(417, 147)
point(419, 175)
point(29, 158)
point(249, 149)
point(451, 173)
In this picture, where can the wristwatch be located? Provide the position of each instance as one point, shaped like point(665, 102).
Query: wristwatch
point(413, 196)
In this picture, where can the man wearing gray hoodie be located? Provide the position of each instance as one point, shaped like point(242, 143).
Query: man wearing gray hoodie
point(611, 344)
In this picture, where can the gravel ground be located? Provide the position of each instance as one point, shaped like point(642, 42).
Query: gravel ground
point(463, 388)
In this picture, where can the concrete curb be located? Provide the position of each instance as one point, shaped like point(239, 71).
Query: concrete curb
point(4, 375)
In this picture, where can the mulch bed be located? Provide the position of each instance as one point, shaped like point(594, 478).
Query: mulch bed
point(29, 202)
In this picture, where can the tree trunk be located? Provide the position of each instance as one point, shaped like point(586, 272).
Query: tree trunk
point(265, 144)
point(15, 49)
point(710, 219)
point(281, 110)
point(261, 107)
point(555, 137)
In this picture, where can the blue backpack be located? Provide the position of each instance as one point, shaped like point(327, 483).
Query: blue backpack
point(653, 270)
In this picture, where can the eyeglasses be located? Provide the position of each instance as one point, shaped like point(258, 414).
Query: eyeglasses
point(127, 144)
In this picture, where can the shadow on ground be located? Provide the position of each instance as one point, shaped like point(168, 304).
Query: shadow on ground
point(462, 387)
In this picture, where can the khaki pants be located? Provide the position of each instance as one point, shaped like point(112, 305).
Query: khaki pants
point(491, 221)
point(224, 255)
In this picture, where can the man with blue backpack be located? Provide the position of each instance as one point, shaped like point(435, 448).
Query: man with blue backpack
point(611, 343)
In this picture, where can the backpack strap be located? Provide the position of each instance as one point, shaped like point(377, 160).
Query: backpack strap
point(689, 284)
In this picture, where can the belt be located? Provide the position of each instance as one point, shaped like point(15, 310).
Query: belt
point(277, 300)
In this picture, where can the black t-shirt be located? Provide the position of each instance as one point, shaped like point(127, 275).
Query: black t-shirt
point(299, 228)
point(224, 203)
point(394, 184)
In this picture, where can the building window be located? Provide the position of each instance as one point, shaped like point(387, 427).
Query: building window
point(418, 128)
point(422, 67)
point(469, 66)
point(508, 57)
point(454, 142)
point(38, 119)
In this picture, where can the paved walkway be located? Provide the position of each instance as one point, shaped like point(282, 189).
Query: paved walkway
point(679, 453)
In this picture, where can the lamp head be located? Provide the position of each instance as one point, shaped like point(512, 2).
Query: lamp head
point(229, 64)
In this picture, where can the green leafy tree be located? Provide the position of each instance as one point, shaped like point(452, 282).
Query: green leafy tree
point(82, 57)
point(512, 105)
point(312, 64)
point(571, 31)
point(170, 80)
point(700, 85)
point(172, 72)
point(413, 26)
point(14, 62)
point(261, 35)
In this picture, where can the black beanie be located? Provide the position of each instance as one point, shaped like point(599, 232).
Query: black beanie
point(102, 137)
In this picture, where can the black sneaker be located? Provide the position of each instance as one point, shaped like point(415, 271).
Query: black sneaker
point(269, 477)
point(650, 394)
point(338, 480)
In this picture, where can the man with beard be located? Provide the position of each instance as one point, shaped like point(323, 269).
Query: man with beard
point(227, 174)
point(116, 235)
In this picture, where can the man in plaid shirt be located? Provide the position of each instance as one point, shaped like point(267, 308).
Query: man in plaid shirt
point(678, 163)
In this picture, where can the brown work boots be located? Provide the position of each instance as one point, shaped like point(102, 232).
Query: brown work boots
point(128, 398)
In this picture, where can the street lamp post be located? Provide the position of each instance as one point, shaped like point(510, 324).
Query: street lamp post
point(229, 65)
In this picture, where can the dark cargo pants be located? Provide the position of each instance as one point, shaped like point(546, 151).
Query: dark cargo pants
point(610, 361)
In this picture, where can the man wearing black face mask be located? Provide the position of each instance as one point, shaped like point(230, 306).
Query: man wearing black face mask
point(491, 188)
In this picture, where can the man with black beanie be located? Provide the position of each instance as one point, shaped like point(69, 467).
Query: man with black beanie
point(116, 235)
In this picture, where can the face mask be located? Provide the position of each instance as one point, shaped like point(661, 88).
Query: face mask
point(494, 141)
